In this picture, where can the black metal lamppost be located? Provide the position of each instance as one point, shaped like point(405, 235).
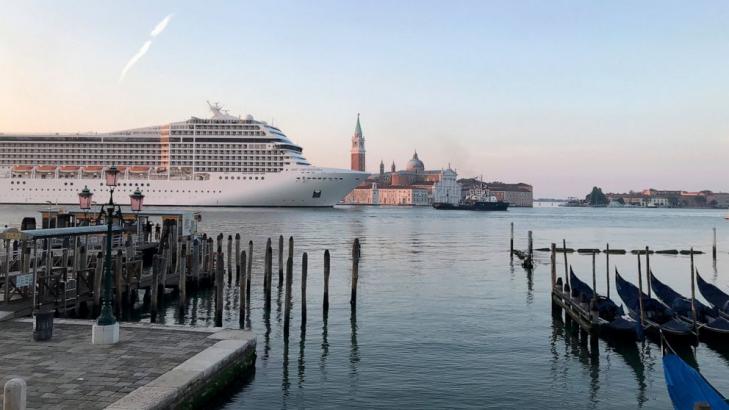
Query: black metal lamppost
point(106, 317)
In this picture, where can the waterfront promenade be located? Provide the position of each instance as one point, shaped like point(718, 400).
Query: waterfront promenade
point(151, 367)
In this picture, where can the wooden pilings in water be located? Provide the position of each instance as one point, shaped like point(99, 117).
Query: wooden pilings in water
point(229, 265)
point(326, 281)
point(355, 273)
point(182, 283)
point(219, 287)
point(242, 291)
point(304, 268)
point(237, 257)
point(713, 246)
point(267, 273)
point(280, 260)
point(287, 296)
point(249, 269)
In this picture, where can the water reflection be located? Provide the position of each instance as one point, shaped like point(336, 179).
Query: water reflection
point(324, 342)
point(354, 352)
point(301, 367)
point(630, 354)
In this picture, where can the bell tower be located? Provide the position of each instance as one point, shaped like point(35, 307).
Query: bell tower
point(358, 148)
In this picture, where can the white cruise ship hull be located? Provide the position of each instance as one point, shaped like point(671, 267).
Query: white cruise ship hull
point(304, 187)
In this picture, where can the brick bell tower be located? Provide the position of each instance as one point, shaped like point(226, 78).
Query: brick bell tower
point(358, 148)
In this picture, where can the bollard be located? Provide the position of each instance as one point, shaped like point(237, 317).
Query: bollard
point(326, 280)
point(237, 257)
point(242, 292)
point(15, 394)
point(280, 260)
point(219, 286)
point(355, 273)
point(304, 263)
point(229, 265)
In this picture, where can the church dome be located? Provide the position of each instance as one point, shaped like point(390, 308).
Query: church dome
point(415, 164)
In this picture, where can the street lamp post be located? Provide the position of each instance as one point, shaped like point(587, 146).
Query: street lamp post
point(106, 328)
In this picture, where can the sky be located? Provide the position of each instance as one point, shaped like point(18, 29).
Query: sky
point(563, 95)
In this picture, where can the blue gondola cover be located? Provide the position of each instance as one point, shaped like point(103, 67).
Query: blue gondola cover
point(686, 386)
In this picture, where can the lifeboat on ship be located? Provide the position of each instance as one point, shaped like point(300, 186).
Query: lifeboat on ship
point(69, 168)
point(45, 169)
point(92, 168)
point(139, 169)
point(22, 168)
point(161, 170)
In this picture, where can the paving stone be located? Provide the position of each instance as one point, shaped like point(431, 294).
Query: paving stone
point(70, 372)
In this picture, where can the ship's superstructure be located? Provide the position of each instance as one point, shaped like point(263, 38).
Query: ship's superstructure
point(220, 161)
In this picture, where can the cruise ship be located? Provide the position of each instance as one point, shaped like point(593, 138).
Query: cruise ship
point(219, 161)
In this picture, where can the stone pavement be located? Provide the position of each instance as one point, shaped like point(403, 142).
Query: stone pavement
point(68, 372)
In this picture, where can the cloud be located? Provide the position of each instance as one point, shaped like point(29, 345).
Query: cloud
point(161, 26)
point(158, 29)
point(134, 59)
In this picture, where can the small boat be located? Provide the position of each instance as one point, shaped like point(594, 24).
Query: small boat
point(139, 169)
point(46, 169)
point(69, 168)
point(687, 387)
point(709, 323)
point(477, 199)
point(614, 320)
point(658, 318)
point(713, 295)
point(22, 168)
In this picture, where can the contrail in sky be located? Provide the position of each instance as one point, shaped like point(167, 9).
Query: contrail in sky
point(158, 29)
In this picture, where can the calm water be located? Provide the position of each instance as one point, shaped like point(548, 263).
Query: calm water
point(443, 318)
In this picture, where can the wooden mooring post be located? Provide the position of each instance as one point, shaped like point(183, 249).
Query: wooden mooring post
point(118, 283)
point(529, 260)
point(640, 290)
point(287, 296)
point(355, 273)
point(237, 257)
point(693, 289)
point(154, 287)
point(242, 292)
point(219, 287)
point(280, 260)
point(249, 269)
point(267, 272)
point(182, 284)
point(304, 263)
point(326, 281)
point(713, 246)
point(511, 242)
point(648, 272)
point(607, 269)
point(196, 262)
point(229, 265)
point(566, 267)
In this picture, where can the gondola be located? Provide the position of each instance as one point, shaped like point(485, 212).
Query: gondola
point(709, 323)
point(657, 316)
point(614, 320)
point(713, 295)
point(686, 386)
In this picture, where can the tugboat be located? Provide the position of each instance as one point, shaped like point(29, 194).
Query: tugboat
point(477, 199)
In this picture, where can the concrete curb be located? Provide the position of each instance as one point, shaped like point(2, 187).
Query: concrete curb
point(194, 381)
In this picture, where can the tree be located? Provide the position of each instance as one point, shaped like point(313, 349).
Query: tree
point(596, 197)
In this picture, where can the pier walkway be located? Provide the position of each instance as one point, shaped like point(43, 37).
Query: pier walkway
point(151, 367)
